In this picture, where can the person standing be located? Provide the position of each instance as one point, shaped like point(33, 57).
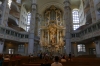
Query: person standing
point(70, 56)
point(1, 60)
point(56, 63)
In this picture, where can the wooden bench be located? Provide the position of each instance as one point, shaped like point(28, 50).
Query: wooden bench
point(31, 64)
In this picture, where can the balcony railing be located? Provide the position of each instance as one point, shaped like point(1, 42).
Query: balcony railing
point(11, 34)
point(90, 31)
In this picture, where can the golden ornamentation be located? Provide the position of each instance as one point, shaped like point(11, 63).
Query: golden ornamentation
point(52, 31)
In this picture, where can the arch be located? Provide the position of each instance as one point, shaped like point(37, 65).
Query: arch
point(47, 5)
point(75, 13)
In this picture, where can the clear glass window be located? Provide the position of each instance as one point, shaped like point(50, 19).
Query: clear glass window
point(21, 48)
point(81, 48)
point(28, 21)
point(75, 19)
point(11, 51)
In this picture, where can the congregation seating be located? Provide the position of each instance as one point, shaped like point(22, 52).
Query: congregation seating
point(76, 61)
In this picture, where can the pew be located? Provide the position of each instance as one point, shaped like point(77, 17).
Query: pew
point(76, 61)
point(31, 64)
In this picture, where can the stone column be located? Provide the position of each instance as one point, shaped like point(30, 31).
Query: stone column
point(97, 45)
point(1, 47)
point(5, 15)
point(68, 22)
point(32, 26)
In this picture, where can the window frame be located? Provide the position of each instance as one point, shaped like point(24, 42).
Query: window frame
point(81, 48)
point(75, 14)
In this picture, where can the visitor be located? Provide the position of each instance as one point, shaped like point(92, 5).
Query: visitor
point(70, 56)
point(73, 55)
point(56, 63)
point(1, 60)
point(30, 57)
point(41, 56)
point(7, 58)
point(63, 59)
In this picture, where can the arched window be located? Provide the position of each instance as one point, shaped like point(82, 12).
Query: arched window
point(28, 21)
point(0, 2)
point(75, 13)
point(21, 48)
point(81, 48)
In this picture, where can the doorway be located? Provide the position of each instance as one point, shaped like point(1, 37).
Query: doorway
point(92, 51)
point(11, 51)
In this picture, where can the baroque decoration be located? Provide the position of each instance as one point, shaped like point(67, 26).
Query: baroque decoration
point(52, 31)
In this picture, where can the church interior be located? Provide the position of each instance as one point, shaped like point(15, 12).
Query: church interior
point(36, 31)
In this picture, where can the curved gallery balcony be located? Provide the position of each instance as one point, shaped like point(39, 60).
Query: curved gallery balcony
point(13, 20)
point(15, 7)
point(88, 32)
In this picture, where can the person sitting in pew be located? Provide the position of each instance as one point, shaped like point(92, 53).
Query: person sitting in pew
point(63, 59)
point(1, 60)
point(56, 63)
point(7, 58)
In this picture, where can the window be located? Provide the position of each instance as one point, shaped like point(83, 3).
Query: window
point(75, 27)
point(21, 48)
point(81, 48)
point(27, 28)
point(0, 2)
point(9, 3)
point(28, 21)
point(18, 1)
point(75, 13)
point(11, 51)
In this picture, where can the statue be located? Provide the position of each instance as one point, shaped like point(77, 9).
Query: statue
point(53, 31)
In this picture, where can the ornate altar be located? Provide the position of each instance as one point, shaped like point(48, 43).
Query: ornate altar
point(52, 31)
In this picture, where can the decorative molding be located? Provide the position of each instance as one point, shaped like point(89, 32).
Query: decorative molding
point(33, 6)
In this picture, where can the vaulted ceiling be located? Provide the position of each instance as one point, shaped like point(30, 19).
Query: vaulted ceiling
point(42, 5)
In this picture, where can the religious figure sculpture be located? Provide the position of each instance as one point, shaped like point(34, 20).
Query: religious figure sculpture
point(53, 31)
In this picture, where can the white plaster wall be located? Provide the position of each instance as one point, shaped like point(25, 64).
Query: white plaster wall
point(23, 17)
point(82, 18)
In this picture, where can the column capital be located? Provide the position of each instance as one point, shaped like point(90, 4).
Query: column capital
point(33, 5)
point(66, 3)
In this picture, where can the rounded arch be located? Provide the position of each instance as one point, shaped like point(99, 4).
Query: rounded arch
point(75, 13)
point(47, 5)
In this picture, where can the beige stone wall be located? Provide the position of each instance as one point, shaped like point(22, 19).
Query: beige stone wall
point(88, 46)
point(10, 45)
point(23, 17)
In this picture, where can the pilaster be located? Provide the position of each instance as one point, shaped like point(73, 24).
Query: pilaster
point(1, 47)
point(6, 10)
point(68, 22)
point(32, 27)
point(97, 45)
